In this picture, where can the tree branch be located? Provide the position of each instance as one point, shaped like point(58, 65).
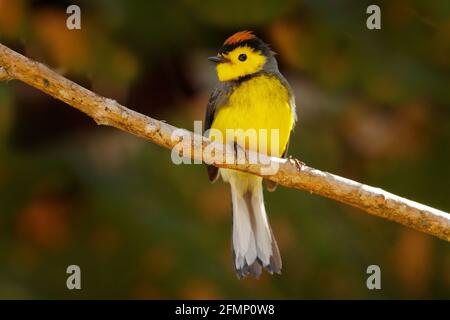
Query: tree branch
point(108, 112)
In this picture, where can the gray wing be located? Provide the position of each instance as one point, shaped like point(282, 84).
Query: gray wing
point(211, 108)
point(217, 99)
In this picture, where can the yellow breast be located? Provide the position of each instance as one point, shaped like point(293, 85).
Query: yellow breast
point(259, 103)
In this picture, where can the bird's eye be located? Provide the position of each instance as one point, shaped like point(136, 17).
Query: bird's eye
point(242, 57)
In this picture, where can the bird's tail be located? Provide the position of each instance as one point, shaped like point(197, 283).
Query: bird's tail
point(254, 245)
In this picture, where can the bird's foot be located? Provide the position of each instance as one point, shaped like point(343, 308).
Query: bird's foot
point(298, 164)
point(239, 153)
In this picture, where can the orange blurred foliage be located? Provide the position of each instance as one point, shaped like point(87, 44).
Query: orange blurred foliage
point(286, 38)
point(12, 16)
point(199, 289)
point(44, 222)
point(412, 261)
point(68, 48)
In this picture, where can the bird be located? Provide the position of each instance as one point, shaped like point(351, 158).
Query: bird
point(251, 93)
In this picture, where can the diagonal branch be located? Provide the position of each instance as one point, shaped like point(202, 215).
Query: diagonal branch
point(289, 174)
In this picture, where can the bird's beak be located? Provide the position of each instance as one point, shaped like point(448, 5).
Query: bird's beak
point(218, 59)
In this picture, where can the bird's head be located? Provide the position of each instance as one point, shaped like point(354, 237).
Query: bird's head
point(241, 55)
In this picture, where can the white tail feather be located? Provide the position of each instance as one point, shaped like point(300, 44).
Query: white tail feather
point(253, 242)
point(243, 238)
point(263, 232)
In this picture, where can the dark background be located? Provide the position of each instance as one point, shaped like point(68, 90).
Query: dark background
point(373, 106)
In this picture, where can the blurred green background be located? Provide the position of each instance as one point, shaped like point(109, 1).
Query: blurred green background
point(373, 106)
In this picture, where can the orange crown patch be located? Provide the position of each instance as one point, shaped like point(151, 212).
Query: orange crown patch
point(239, 37)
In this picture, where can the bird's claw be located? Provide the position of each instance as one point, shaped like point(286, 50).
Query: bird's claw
point(239, 153)
point(298, 164)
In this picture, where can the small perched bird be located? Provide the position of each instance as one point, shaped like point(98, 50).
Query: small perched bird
point(251, 94)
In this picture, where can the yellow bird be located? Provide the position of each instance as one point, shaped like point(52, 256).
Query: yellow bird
point(251, 94)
